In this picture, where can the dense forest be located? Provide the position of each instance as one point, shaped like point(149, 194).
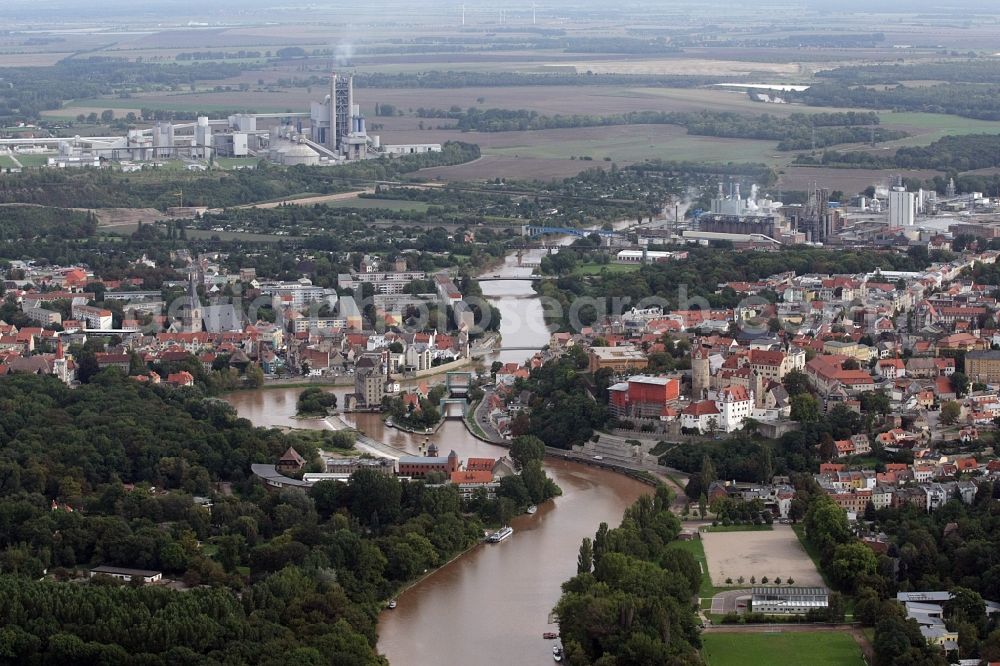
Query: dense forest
point(563, 413)
point(630, 603)
point(107, 473)
point(99, 188)
point(21, 223)
point(957, 71)
point(26, 91)
point(795, 132)
point(951, 153)
point(971, 100)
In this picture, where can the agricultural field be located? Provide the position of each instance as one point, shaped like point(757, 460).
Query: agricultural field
point(388, 204)
point(789, 648)
point(929, 127)
point(803, 178)
point(593, 268)
point(34, 159)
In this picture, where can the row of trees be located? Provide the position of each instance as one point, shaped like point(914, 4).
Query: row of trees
point(794, 132)
point(971, 100)
point(630, 603)
point(951, 153)
point(30, 90)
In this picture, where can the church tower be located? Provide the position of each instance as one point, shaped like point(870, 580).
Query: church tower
point(192, 314)
point(700, 373)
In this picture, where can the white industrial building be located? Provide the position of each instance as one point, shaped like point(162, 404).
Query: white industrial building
point(336, 133)
point(902, 207)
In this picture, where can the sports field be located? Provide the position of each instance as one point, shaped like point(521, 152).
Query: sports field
point(820, 648)
point(776, 554)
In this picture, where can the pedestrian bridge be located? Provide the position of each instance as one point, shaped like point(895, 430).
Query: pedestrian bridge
point(518, 278)
point(531, 231)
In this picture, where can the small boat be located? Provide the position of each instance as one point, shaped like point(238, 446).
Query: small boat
point(392, 603)
point(557, 653)
point(500, 534)
point(532, 509)
point(549, 635)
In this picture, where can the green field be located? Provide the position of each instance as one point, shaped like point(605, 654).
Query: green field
point(234, 162)
point(788, 649)
point(594, 268)
point(738, 528)
point(388, 204)
point(645, 142)
point(32, 160)
point(7, 162)
point(929, 127)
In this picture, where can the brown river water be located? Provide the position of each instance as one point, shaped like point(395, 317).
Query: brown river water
point(492, 604)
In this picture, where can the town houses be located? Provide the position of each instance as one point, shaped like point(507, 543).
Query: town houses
point(316, 330)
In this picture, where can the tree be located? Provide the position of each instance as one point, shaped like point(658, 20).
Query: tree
point(959, 383)
point(827, 448)
point(875, 402)
point(585, 560)
point(805, 408)
point(708, 473)
point(255, 377)
point(950, 411)
point(851, 561)
point(526, 448)
point(795, 382)
point(966, 605)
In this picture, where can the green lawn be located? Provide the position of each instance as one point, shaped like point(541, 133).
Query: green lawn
point(34, 160)
point(787, 649)
point(594, 268)
point(7, 162)
point(800, 532)
point(737, 528)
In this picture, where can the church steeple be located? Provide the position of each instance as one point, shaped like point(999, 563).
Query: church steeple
point(192, 315)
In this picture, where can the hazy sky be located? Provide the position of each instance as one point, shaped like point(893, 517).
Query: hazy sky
point(172, 10)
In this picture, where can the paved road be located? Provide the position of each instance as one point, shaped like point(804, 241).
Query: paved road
point(308, 201)
point(725, 602)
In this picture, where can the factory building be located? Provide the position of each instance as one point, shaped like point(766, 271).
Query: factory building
point(336, 133)
point(902, 207)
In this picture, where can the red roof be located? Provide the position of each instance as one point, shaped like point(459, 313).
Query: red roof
point(480, 465)
point(701, 408)
point(472, 477)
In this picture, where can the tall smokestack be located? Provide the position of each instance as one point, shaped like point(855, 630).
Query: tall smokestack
point(350, 94)
point(331, 137)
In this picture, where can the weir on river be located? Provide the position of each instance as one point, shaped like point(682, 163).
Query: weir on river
point(491, 605)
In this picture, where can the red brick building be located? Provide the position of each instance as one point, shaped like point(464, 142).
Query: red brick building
point(642, 396)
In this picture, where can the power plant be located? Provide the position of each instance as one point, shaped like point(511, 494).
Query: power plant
point(336, 134)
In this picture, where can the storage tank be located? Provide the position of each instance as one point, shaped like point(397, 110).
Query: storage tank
point(299, 154)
